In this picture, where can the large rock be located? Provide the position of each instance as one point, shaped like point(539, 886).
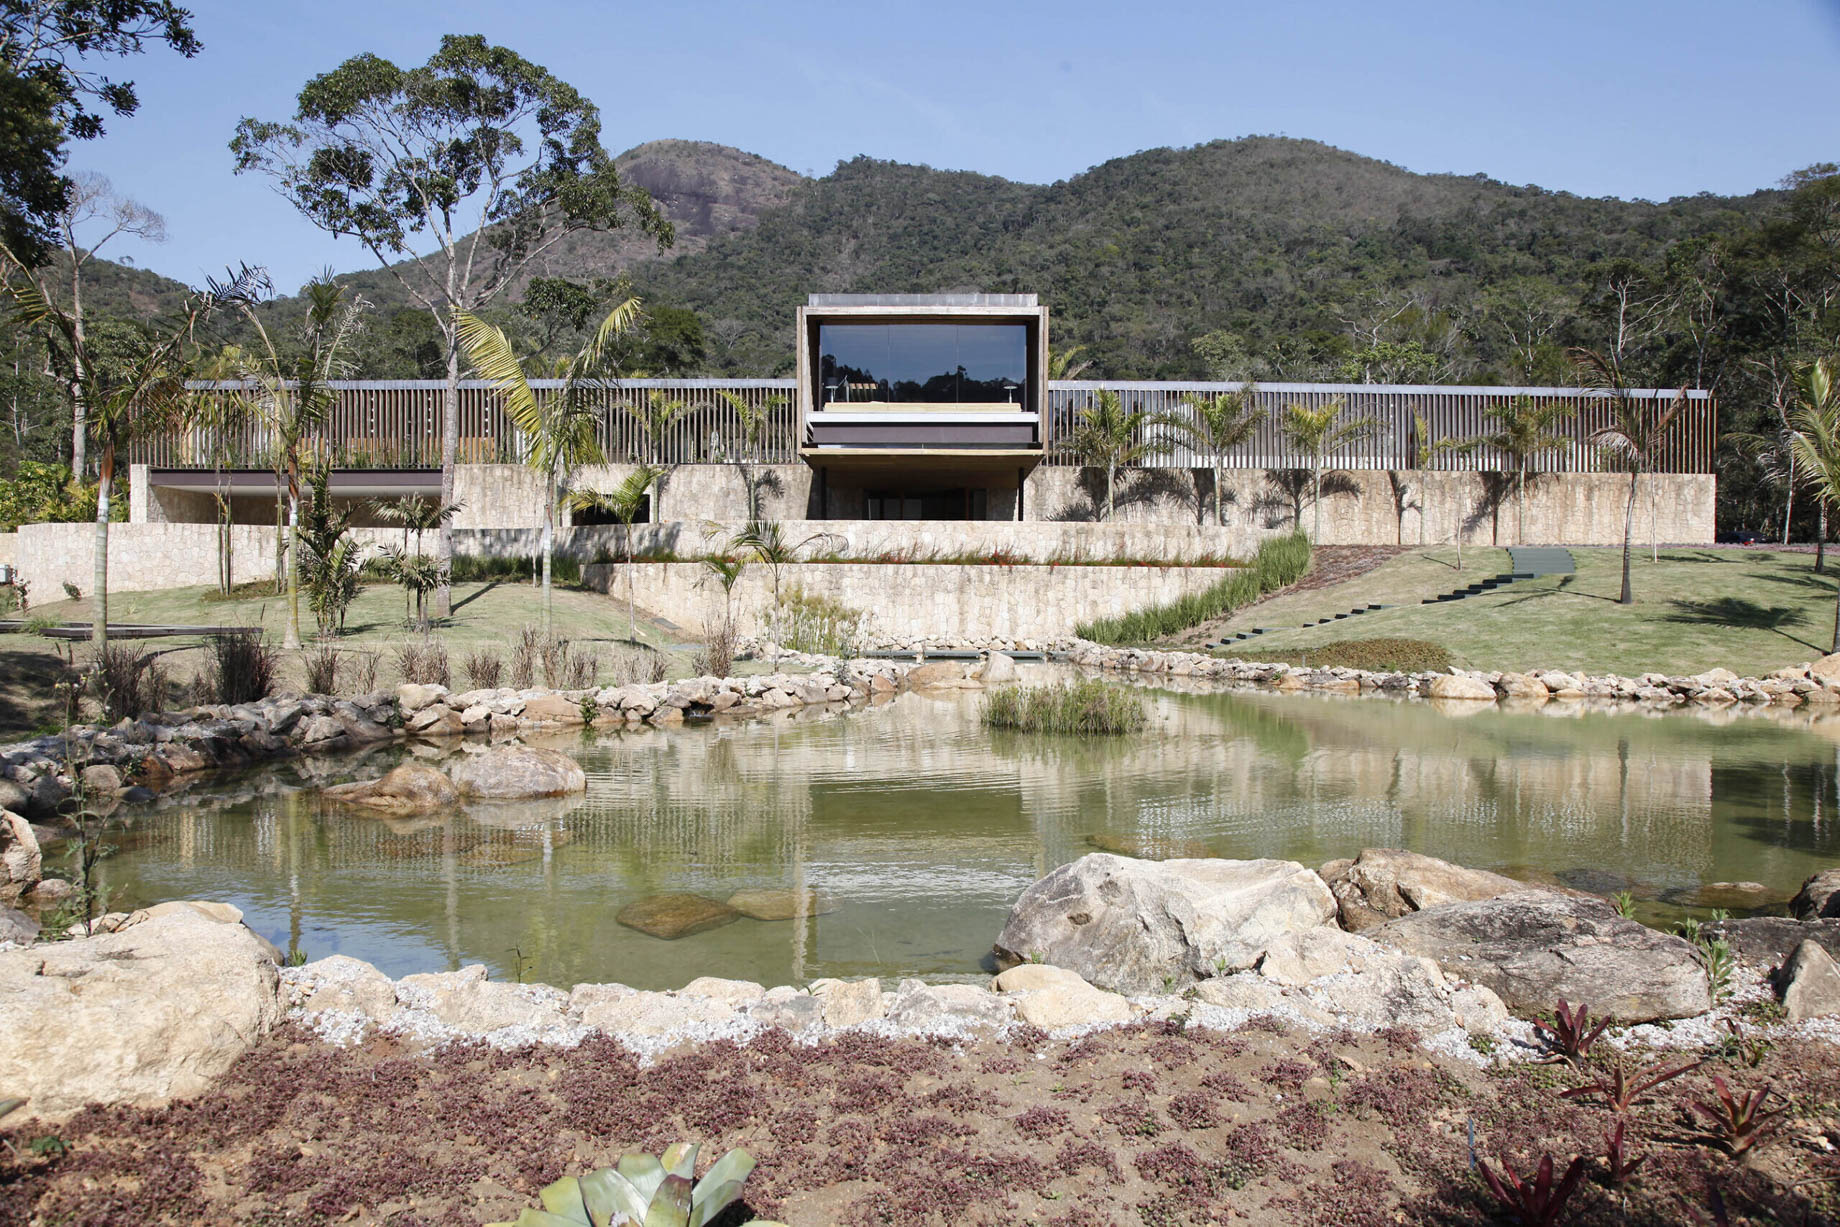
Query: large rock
point(619, 1010)
point(1770, 940)
point(1053, 998)
point(778, 904)
point(671, 916)
point(21, 861)
point(152, 1011)
point(1147, 926)
point(1361, 982)
point(1827, 668)
point(409, 789)
point(1810, 983)
point(941, 675)
point(467, 1002)
point(1819, 897)
point(848, 1003)
point(950, 1009)
point(514, 771)
point(17, 927)
point(1383, 883)
point(553, 709)
point(1536, 947)
point(1459, 686)
point(998, 667)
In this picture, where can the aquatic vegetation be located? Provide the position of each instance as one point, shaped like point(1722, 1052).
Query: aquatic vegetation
point(1087, 707)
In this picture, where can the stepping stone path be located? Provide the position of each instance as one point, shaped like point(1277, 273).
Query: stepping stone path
point(1527, 562)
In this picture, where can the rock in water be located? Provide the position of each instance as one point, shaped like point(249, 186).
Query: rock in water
point(20, 858)
point(155, 1010)
point(1809, 983)
point(1819, 897)
point(1146, 926)
point(997, 668)
point(1458, 686)
point(1536, 947)
point(408, 789)
point(778, 904)
point(676, 915)
point(507, 773)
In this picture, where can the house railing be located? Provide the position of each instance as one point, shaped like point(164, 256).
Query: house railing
point(397, 424)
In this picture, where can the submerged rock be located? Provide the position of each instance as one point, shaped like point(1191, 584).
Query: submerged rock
point(509, 772)
point(779, 904)
point(672, 916)
point(1536, 947)
point(1144, 926)
point(408, 789)
point(155, 1010)
point(1149, 847)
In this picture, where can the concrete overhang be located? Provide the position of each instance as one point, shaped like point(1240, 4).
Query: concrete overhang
point(342, 483)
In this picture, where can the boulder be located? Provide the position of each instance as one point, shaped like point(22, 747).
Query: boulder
point(1071, 1005)
point(21, 862)
point(998, 667)
point(734, 992)
point(1537, 947)
point(17, 927)
point(101, 780)
point(1459, 686)
point(413, 697)
point(553, 709)
point(1383, 883)
point(778, 904)
point(946, 1008)
point(150, 1012)
point(619, 1010)
point(940, 675)
point(1521, 686)
point(436, 721)
point(339, 985)
point(1146, 926)
point(675, 915)
point(515, 771)
point(1818, 898)
point(1770, 940)
point(1826, 668)
point(50, 892)
point(1809, 983)
point(409, 789)
point(467, 1002)
point(1029, 977)
point(848, 1003)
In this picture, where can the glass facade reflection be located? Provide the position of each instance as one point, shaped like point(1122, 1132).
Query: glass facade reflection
point(931, 364)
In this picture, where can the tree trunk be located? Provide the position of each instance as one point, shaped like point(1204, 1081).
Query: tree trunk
point(450, 451)
point(632, 617)
point(79, 405)
point(1820, 539)
point(1628, 596)
point(1836, 647)
point(1316, 504)
point(1789, 499)
point(291, 637)
point(549, 546)
point(99, 598)
point(1220, 515)
point(1520, 506)
point(1111, 491)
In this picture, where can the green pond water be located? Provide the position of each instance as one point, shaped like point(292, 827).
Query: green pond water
point(918, 828)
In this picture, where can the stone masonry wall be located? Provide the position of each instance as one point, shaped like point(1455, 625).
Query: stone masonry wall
point(902, 601)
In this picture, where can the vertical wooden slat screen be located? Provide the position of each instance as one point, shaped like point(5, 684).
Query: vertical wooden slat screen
point(397, 424)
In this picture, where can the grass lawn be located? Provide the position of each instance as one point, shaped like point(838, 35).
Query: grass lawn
point(488, 615)
point(1750, 610)
point(1409, 578)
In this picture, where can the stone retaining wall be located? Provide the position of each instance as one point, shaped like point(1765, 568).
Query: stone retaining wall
point(899, 600)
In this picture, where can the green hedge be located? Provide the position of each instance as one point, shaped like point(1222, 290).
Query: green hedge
point(1280, 561)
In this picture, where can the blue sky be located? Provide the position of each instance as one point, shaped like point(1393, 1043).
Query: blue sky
point(1617, 97)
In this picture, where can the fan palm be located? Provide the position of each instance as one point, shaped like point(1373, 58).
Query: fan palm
point(1523, 428)
point(1319, 434)
point(1636, 432)
point(1815, 442)
point(294, 394)
point(1109, 437)
point(1213, 426)
point(559, 429)
point(125, 400)
point(624, 503)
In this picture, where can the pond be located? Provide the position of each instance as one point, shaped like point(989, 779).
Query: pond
point(918, 829)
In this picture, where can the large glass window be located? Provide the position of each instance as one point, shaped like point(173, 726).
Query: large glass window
point(933, 364)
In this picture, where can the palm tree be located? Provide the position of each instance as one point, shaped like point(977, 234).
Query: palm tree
point(1636, 431)
point(1426, 448)
point(1212, 426)
point(754, 420)
point(1069, 363)
point(128, 400)
point(1814, 441)
point(559, 429)
point(216, 412)
point(1106, 436)
point(417, 515)
point(1319, 435)
point(294, 393)
point(1523, 429)
point(625, 503)
point(655, 418)
point(765, 541)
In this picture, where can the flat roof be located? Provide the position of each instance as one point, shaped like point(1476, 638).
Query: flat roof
point(922, 300)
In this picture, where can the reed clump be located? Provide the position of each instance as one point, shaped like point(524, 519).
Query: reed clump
point(1089, 707)
point(1281, 561)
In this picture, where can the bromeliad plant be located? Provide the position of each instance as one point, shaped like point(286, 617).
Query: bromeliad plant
point(1737, 1122)
point(1537, 1202)
point(1571, 1034)
point(1621, 1090)
point(645, 1192)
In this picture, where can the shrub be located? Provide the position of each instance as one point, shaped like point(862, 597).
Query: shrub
point(1088, 706)
point(127, 681)
point(364, 672)
point(1375, 655)
point(37, 493)
point(484, 668)
point(242, 667)
point(716, 658)
point(525, 652)
point(322, 668)
point(1279, 563)
point(423, 662)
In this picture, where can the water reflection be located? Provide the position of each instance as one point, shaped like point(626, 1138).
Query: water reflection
point(920, 829)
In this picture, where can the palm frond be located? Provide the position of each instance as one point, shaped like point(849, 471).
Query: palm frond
point(491, 354)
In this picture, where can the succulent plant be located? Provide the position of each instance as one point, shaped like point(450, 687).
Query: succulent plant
point(645, 1192)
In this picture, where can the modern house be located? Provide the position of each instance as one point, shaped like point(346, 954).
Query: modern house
point(922, 406)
